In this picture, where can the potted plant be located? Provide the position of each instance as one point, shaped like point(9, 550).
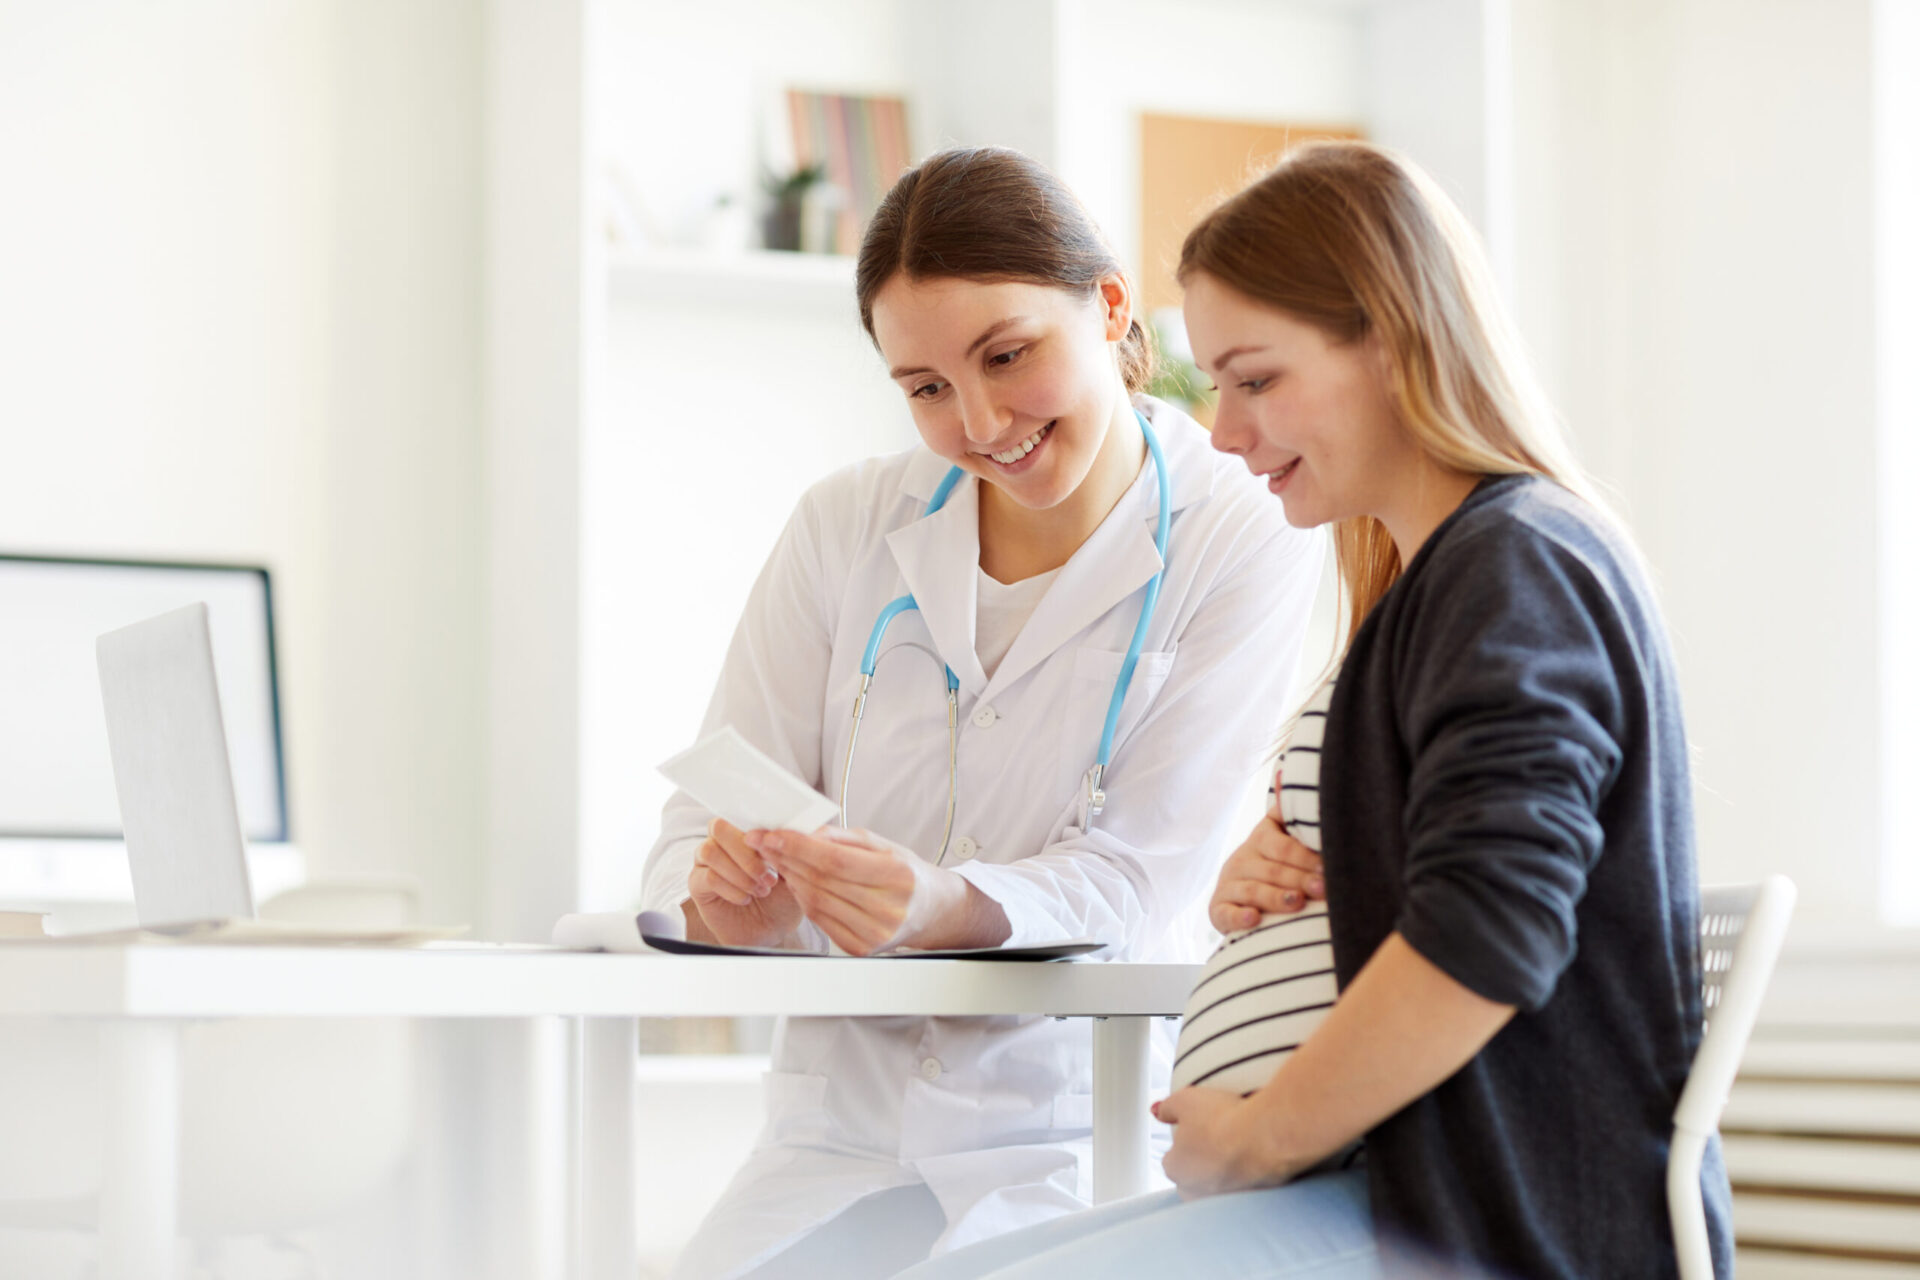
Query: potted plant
point(788, 195)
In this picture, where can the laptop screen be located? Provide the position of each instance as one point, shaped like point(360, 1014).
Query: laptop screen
point(56, 777)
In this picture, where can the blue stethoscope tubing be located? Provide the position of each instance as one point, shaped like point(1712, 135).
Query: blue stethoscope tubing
point(1096, 798)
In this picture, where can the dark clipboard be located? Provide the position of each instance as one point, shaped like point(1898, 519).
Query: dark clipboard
point(664, 941)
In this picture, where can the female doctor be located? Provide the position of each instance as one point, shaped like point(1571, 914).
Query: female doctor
point(1028, 532)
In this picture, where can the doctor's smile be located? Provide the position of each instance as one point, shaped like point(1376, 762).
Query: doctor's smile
point(1014, 460)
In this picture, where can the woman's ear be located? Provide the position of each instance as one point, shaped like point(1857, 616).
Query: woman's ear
point(1116, 305)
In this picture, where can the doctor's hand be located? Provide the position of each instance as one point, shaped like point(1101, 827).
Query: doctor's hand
point(1220, 1143)
point(1271, 873)
point(869, 894)
point(740, 900)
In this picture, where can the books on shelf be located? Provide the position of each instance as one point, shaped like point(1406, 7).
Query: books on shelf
point(860, 142)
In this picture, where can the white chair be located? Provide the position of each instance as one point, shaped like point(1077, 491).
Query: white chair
point(1741, 929)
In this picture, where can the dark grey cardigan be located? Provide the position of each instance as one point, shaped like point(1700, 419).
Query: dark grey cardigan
point(1504, 782)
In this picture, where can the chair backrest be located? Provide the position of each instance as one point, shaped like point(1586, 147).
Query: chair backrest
point(1741, 930)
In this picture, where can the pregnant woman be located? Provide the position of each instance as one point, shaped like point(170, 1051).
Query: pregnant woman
point(1496, 778)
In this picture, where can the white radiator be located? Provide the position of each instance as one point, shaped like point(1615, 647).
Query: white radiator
point(1822, 1133)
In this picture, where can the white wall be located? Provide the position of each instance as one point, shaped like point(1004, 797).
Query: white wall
point(239, 323)
point(1078, 73)
point(1436, 82)
point(401, 726)
point(1896, 51)
point(1016, 46)
point(720, 68)
point(1243, 60)
point(717, 419)
point(714, 408)
point(538, 350)
point(1696, 262)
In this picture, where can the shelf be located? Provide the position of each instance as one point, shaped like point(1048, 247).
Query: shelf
point(759, 276)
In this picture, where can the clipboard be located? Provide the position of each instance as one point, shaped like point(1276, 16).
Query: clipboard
point(1050, 951)
point(658, 931)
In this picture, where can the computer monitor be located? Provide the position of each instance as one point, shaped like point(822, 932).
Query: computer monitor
point(56, 776)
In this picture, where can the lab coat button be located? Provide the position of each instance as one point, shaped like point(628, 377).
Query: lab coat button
point(984, 716)
point(930, 1068)
point(964, 847)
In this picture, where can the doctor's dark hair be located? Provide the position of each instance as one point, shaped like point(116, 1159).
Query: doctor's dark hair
point(991, 213)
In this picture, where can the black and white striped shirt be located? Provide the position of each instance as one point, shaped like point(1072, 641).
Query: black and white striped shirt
point(1268, 987)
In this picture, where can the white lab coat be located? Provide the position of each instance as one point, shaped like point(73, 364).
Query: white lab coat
point(993, 1113)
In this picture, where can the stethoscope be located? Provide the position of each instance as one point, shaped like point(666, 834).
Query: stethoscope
point(1095, 799)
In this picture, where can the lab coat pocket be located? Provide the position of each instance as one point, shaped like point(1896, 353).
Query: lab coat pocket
point(796, 1107)
point(1094, 674)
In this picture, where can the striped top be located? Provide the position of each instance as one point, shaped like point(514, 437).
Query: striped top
point(1268, 987)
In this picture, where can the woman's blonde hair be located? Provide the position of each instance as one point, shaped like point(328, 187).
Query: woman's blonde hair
point(1357, 241)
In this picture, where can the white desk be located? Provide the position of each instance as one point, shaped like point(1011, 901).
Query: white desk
point(145, 993)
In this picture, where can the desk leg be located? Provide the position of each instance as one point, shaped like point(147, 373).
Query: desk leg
point(140, 1194)
point(609, 1240)
point(1119, 1108)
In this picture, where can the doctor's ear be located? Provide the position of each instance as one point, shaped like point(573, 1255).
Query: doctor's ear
point(1115, 295)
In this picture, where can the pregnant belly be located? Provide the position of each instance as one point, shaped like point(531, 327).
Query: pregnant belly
point(1263, 993)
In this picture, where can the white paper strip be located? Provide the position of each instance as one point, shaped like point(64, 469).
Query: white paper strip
point(737, 781)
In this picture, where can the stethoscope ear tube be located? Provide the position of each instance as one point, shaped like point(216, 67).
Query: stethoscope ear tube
point(1096, 797)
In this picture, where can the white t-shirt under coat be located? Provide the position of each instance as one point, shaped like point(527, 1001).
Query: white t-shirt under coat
point(1000, 610)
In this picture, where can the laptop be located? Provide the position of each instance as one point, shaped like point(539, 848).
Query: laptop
point(174, 781)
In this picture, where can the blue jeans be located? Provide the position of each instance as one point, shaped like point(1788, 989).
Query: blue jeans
point(1319, 1226)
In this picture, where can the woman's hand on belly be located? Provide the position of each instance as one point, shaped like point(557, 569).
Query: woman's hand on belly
point(1400, 1028)
point(1271, 873)
point(1218, 1144)
point(869, 894)
point(734, 897)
